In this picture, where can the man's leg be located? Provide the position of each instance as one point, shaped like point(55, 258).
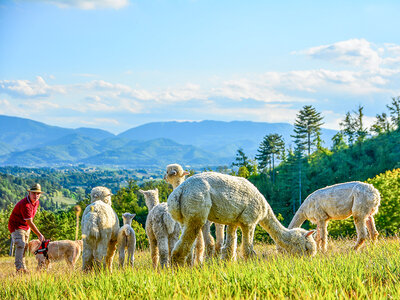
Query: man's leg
point(20, 238)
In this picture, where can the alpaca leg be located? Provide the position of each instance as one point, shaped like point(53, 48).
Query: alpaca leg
point(219, 232)
point(154, 253)
point(182, 248)
point(131, 250)
point(361, 231)
point(229, 250)
point(121, 256)
point(199, 254)
point(172, 239)
point(373, 233)
point(162, 243)
point(112, 247)
point(208, 240)
point(318, 237)
point(323, 232)
point(248, 235)
point(87, 258)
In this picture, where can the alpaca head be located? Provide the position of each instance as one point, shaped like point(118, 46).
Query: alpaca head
point(175, 175)
point(301, 242)
point(127, 218)
point(101, 193)
point(33, 245)
point(151, 198)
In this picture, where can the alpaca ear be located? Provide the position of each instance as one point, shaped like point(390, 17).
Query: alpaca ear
point(309, 233)
point(133, 215)
point(156, 190)
point(141, 191)
point(185, 173)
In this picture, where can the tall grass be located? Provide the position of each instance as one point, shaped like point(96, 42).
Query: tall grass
point(372, 273)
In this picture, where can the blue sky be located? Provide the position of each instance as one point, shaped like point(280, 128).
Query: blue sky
point(116, 64)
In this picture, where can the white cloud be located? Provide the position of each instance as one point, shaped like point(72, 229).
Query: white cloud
point(358, 52)
point(29, 89)
point(88, 4)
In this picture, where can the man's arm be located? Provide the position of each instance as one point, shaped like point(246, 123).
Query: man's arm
point(35, 230)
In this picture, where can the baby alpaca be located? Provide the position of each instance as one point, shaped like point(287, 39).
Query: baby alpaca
point(338, 202)
point(233, 201)
point(161, 229)
point(100, 227)
point(126, 240)
point(57, 250)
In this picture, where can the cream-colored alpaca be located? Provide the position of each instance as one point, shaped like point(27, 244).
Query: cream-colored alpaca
point(338, 202)
point(100, 227)
point(57, 250)
point(161, 229)
point(175, 175)
point(232, 201)
point(127, 240)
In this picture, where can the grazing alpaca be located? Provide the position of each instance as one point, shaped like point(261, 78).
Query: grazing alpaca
point(57, 250)
point(100, 227)
point(338, 202)
point(233, 201)
point(175, 175)
point(161, 229)
point(126, 240)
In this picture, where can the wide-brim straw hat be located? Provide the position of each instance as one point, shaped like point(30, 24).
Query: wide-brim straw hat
point(35, 188)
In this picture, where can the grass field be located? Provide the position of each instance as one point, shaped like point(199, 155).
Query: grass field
point(371, 273)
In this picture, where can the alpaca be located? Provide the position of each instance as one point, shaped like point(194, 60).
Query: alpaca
point(175, 175)
point(126, 240)
point(232, 201)
point(338, 202)
point(57, 250)
point(161, 229)
point(100, 227)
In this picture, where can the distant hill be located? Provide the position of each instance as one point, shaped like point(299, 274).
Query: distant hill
point(24, 142)
point(222, 138)
point(22, 134)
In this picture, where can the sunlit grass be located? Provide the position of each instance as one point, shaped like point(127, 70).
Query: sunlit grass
point(372, 273)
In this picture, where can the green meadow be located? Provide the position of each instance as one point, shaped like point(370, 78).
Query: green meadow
point(341, 273)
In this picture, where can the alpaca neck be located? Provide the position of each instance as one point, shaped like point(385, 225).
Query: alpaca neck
point(297, 220)
point(279, 233)
point(151, 202)
point(178, 181)
point(128, 222)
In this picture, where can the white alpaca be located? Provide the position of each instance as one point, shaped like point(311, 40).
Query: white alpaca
point(338, 202)
point(126, 240)
point(233, 201)
point(100, 227)
point(161, 229)
point(175, 175)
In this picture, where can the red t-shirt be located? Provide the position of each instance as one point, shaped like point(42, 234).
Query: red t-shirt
point(22, 211)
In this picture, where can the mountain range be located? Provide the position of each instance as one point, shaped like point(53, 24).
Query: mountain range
point(25, 142)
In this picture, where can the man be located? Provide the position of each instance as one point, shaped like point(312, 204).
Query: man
point(21, 222)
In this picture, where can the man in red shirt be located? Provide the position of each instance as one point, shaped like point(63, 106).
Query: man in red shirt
point(21, 222)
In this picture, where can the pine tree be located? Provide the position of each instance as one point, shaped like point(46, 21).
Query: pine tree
point(242, 160)
point(395, 112)
point(360, 130)
point(338, 141)
point(381, 124)
point(272, 146)
point(307, 128)
point(348, 128)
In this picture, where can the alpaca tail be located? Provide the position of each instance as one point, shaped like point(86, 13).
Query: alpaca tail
point(169, 222)
point(174, 204)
